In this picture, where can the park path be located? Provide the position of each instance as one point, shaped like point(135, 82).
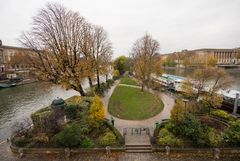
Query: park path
point(168, 102)
point(127, 85)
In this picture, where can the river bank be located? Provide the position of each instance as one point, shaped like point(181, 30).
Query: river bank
point(19, 102)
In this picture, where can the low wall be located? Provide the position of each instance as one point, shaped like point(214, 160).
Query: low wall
point(17, 150)
point(182, 151)
point(200, 151)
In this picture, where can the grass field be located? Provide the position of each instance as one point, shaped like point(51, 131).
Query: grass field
point(132, 104)
point(127, 80)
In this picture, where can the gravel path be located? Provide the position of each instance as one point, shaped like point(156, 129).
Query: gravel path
point(168, 102)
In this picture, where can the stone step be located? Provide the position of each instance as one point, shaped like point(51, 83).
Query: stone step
point(139, 145)
point(138, 151)
point(138, 148)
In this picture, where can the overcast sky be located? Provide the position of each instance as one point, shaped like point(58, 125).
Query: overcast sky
point(176, 24)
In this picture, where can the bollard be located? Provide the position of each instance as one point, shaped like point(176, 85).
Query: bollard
point(216, 153)
point(167, 148)
point(124, 131)
point(156, 124)
point(108, 150)
point(20, 151)
point(112, 121)
point(235, 108)
point(67, 153)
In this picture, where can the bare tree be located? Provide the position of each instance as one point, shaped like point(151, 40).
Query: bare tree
point(87, 50)
point(56, 37)
point(21, 128)
point(205, 84)
point(98, 51)
point(102, 50)
point(146, 60)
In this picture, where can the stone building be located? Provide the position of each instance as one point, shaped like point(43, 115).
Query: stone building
point(224, 57)
point(8, 55)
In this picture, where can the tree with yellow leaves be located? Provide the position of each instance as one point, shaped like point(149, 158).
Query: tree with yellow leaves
point(97, 113)
point(146, 59)
point(178, 111)
point(211, 61)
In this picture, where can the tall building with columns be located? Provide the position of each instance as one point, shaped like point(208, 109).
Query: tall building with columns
point(224, 57)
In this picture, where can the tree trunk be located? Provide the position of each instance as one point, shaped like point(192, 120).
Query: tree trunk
point(106, 77)
point(98, 79)
point(81, 91)
point(90, 82)
point(142, 87)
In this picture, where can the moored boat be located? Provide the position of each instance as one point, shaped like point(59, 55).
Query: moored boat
point(7, 85)
point(229, 98)
point(171, 81)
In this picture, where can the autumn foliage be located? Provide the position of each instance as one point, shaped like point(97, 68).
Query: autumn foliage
point(97, 113)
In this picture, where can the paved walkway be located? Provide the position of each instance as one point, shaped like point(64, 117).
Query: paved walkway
point(137, 139)
point(168, 102)
point(127, 85)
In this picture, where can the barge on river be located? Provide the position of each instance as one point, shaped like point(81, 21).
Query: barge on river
point(176, 83)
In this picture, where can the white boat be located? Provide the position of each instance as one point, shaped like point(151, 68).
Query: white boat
point(229, 95)
point(171, 81)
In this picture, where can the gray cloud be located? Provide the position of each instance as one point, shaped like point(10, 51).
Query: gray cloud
point(177, 25)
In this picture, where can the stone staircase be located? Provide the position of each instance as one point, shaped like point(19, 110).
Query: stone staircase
point(137, 142)
point(138, 148)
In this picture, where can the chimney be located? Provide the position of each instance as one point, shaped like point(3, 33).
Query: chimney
point(0, 43)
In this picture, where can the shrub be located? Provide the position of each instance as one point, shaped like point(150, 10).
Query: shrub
point(84, 130)
point(118, 135)
point(97, 113)
point(99, 91)
point(87, 99)
point(110, 82)
point(192, 129)
point(104, 86)
point(84, 105)
point(51, 125)
point(116, 74)
point(70, 136)
point(167, 138)
point(90, 93)
point(232, 134)
point(39, 116)
point(221, 114)
point(71, 111)
point(74, 100)
point(87, 143)
point(21, 141)
point(178, 112)
point(41, 138)
point(213, 138)
point(108, 139)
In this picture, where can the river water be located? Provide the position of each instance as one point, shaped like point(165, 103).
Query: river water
point(17, 103)
point(234, 73)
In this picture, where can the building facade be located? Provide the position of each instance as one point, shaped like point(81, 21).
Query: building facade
point(12, 59)
point(223, 57)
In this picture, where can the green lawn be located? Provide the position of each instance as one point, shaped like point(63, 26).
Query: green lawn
point(127, 80)
point(131, 104)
